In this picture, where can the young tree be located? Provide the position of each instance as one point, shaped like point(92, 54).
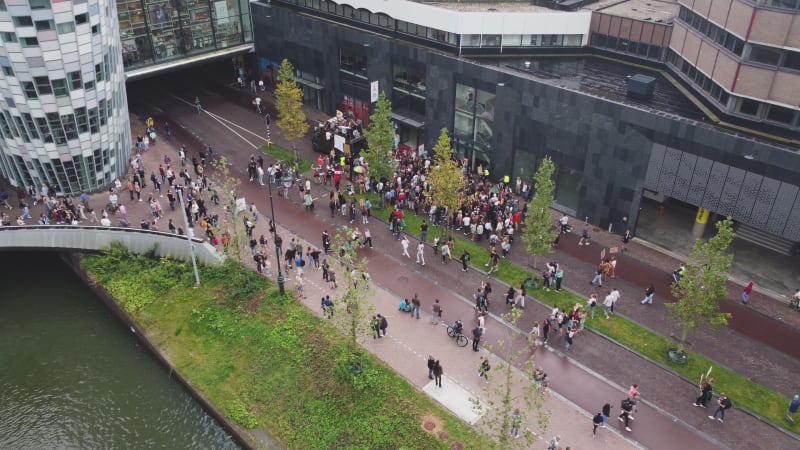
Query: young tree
point(231, 219)
point(510, 390)
point(702, 285)
point(380, 138)
point(445, 177)
point(538, 234)
point(289, 103)
point(354, 311)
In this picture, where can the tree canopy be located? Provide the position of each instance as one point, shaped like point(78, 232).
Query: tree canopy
point(289, 103)
point(380, 138)
point(538, 234)
point(445, 177)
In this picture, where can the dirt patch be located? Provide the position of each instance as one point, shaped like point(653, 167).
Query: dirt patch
point(444, 436)
point(457, 446)
point(431, 423)
point(252, 306)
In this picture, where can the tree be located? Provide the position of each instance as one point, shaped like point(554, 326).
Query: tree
point(538, 234)
point(354, 312)
point(511, 390)
point(445, 177)
point(380, 138)
point(702, 285)
point(289, 103)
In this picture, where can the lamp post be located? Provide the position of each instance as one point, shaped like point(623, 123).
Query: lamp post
point(179, 191)
point(281, 281)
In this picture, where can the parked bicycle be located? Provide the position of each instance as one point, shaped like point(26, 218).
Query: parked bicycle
point(456, 331)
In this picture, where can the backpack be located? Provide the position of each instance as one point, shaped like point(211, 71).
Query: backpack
point(626, 405)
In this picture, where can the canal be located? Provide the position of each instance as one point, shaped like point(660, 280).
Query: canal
point(72, 376)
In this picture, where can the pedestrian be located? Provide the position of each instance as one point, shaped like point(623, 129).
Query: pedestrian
point(559, 278)
point(299, 284)
point(383, 325)
point(626, 238)
point(484, 368)
point(423, 231)
point(706, 393)
point(415, 304)
point(555, 443)
point(545, 330)
point(747, 291)
point(437, 312)
point(648, 295)
point(794, 405)
point(584, 236)
point(597, 420)
point(723, 403)
point(332, 279)
point(625, 415)
point(598, 275)
point(614, 298)
point(464, 260)
point(437, 373)
point(516, 421)
point(421, 253)
point(327, 306)
point(533, 336)
point(431, 362)
point(445, 250)
point(405, 243)
point(375, 324)
point(568, 341)
point(592, 302)
point(477, 332)
point(197, 105)
point(606, 413)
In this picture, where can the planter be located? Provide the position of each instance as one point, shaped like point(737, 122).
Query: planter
point(677, 356)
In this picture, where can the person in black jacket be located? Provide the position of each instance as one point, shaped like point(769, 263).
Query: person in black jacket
point(477, 332)
point(705, 393)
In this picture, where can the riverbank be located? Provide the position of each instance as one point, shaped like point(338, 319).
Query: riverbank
point(266, 362)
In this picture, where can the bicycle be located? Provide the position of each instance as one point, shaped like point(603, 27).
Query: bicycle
point(461, 340)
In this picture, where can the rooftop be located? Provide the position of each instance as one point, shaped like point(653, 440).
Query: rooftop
point(651, 10)
point(487, 6)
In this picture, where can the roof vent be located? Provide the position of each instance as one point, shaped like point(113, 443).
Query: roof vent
point(641, 86)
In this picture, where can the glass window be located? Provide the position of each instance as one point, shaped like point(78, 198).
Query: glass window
point(83, 119)
point(3, 5)
point(74, 79)
point(512, 40)
point(764, 55)
point(8, 36)
point(573, 40)
point(747, 106)
point(484, 105)
point(654, 52)
point(93, 124)
point(422, 31)
point(60, 87)
point(465, 99)
point(491, 40)
point(23, 21)
point(29, 42)
point(353, 61)
point(88, 85)
point(39, 4)
point(7, 70)
point(471, 40)
point(21, 127)
point(31, 126)
point(791, 60)
point(43, 85)
point(68, 122)
point(45, 25)
point(102, 112)
point(402, 26)
point(29, 88)
point(568, 187)
point(81, 19)
point(98, 72)
point(44, 129)
point(66, 27)
point(782, 115)
point(463, 125)
point(54, 120)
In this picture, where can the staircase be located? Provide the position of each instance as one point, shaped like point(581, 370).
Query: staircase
point(764, 239)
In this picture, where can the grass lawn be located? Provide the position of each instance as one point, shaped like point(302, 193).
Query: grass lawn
point(742, 391)
point(287, 156)
point(267, 362)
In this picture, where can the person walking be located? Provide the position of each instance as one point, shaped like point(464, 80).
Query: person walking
point(421, 253)
point(445, 250)
point(436, 317)
point(197, 105)
point(747, 291)
point(592, 302)
point(545, 330)
point(794, 405)
point(464, 260)
point(614, 298)
point(516, 422)
point(606, 413)
point(437, 373)
point(415, 304)
point(405, 243)
point(625, 415)
point(484, 368)
point(598, 276)
point(568, 341)
point(597, 420)
point(477, 332)
point(648, 295)
point(706, 393)
point(423, 231)
point(723, 404)
point(559, 278)
point(555, 443)
point(608, 303)
point(431, 361)
point(382, 325)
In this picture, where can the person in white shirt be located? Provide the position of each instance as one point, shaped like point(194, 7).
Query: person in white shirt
point(421, 253)
point(405, 243)
point(105, 221)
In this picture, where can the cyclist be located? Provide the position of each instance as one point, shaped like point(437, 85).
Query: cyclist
point(458, 328)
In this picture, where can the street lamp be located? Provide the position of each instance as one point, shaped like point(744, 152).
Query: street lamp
point(275, 241)
point(179, 191)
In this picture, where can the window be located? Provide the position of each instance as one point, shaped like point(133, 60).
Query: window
point(8, 36)
point(95, 29)
point(45, 25)
point(8, 71)
point(782, 115)
point(21, 127)
point(764, 55)
point(74, 80)
point(490, 40)
point(81, 19)
point(102, 112)
point(44, 130)
point(31, 126)
point(23, 21)
point(98, 72)
point(747, 106)
point(93, 124)
point(792, 60)
point(29, 42)
point(43, 85)
point(66, 27)
point(68, 121)
point(88, 85)
point(54, 120)
point(83, 119)
point(3, 5)
point(60, 87)
point(30, 89)
point(39, 4)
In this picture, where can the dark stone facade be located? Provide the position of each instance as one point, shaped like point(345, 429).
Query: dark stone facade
point(609, 146)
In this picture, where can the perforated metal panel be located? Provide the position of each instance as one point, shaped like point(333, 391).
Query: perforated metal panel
point(792, 228)
point(784, 202)
point(747, 196)
point(666, 182)
point(764, 202)
point(716, 181)
point(697, 188)
point(730, 193)
point(654, 167)
point(684, 177)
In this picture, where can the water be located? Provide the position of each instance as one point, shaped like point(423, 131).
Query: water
point(72, 376)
